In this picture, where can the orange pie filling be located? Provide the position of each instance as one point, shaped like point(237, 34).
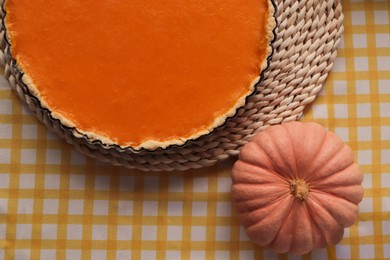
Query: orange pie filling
point(140, 74)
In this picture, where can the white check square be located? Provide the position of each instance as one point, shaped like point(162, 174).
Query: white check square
point(53, 156)
point(23, 231)
point(5, 131)
point(77, 158)
point(224, 209)
point(76, 182)
point(172, 255)
point(99, 232)
point(225, 255)
point(5, 107)
point(381, 17)
point(3, 206)
point(28, 156)
point(150, 208)
point(4, 84)
point(341, 111)
point(124, 232)
point(99, 254)
point(359, 41)
point(25, 206)
point(358, 18)
point(361, 63)
point(74, 232)
point(343, 252)
point(386, 251)
point(200, 184)
point(385, 180)
point(49, 231)
point(4, 180)
point(366, 228)
point(320, 111)
point(343, 133)
point(385, 133)
point(385, 204)
point(174, 233)
point(364, 133)
point(340, 87)
point(198, 233)
point(198, 255)
point(125, 208)
point(48, 254)
point(148, 254)
point(29, 132)
point(386, 227)
point(364, 157)
point(346, 232)
point(175, 208)
point(75, 207)
point(385, 156)
point(367, 181)
point(383, 63)
point(126, 183)
point(199, 209)
point(247, 254)
point(224, 184)
point(123, 254)
point(176, 184)
point(362, 87)
point(5, 156)
point(363, 110)
point(367, 251)
point(149, 232)
point(222, 233)
point(52, 181)
point(100, 207)
point(339, 65)
point(102, 182)
point(382, 40)
point(365, 205)
point(22, 253)
point(50, 206)
point(73, 254)
point(384, 109)
point(26, 181)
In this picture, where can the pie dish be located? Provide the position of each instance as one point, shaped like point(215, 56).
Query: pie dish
point(142, 76)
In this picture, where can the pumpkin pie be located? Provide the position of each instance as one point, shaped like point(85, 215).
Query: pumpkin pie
point(140, 74)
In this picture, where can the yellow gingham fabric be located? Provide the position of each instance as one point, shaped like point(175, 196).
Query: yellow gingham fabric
point(58, 204)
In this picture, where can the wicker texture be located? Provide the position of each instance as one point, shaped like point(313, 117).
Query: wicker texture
point(305, 47)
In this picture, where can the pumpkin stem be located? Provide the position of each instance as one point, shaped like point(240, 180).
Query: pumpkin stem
point(299, 188)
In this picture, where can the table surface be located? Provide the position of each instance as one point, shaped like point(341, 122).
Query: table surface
point(55, 202)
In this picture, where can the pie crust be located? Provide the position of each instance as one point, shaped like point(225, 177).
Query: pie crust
point(21, 35)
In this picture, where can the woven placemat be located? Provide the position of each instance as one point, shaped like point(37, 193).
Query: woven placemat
point(305, 47)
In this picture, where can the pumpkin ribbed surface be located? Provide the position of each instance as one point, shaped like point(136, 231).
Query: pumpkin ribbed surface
point(296, 187)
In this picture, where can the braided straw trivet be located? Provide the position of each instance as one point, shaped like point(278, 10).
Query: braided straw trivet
point(305, 47)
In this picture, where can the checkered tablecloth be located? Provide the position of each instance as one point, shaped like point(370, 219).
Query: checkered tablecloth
point(56, 203)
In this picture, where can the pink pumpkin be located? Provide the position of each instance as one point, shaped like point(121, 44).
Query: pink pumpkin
point(296, 187)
